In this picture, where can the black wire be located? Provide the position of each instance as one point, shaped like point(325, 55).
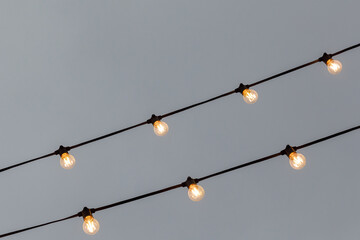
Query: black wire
point(346, 49)
point(327, 138)
point(137, 198)
point(107, 135)
point(180, 110)
point(93, 210)
point(241, 166)
point(37, 226)
point(26, 162)
point(283, 73)
point(197, 104)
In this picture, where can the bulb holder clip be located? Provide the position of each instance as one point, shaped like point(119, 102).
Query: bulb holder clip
point(153, 119)
point(62, 150)
point(189, 181)
point(241, 88)
point(325, 58)
point(86, 212)
point(288, 150)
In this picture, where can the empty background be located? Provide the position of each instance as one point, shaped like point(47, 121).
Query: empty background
point(72, 70)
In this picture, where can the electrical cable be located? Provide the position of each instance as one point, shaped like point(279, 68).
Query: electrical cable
point(239, 89)
point(184, 184)
point(37, 226)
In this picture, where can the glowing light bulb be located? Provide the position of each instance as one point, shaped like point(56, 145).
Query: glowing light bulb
point(297, 160)
point(67, 161)
point(250, 96)
point(196, 192)
point(334, 66)
point(160, 128)
point(91, 226)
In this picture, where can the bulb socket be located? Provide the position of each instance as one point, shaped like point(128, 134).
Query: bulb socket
point(288, 150)
point(189, 181)
point(153, 119)
point(62, 150)
point(325, 58)
point(241, 88)
point(85, 212)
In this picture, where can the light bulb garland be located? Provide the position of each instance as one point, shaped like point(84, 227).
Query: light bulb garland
point(161, 128)
point(195, 191)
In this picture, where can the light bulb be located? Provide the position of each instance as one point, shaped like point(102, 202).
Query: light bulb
point(196, 192)
point(90, 226)
point(334, 66)
point(67, 161)
point(250, 96)
point(160, 128)
point(297, 160)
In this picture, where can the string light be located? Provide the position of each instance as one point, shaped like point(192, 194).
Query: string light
point(297, 160)
point(67, 161)
point(90, 226)
point(334, 66)
point(161, 128)
point(196, 192)
point(250, 96)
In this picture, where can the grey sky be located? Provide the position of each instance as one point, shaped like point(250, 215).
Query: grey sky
point(74, 70)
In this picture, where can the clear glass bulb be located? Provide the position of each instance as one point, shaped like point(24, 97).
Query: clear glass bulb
point(297, 160)
point(67, 161)
point(91, 226)
point(250, 96)
point(334, 66)
point(196, 192)
point(160, 128)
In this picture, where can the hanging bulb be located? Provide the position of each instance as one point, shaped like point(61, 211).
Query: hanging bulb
point(196, 192)
point(250, 96)
point(90, 226)
point(297, 160)
point(67, 161)
point(334, 66)
point(160, 128)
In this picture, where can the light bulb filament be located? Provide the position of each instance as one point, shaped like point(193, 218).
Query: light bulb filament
point(67, 161)
point(90, 226)
point(334, 66)
point(160, 128)
point(196, 192)
point(250, 95)
point(297, 160)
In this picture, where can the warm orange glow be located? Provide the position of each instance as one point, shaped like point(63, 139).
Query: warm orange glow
point(67, 161)
point(196, 192)
point(160, 128)
point(334, 66)
point(250, 96)
point(297, 160)
point(91, 226)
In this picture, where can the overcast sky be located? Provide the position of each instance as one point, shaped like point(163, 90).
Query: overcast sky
point(72, 70)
